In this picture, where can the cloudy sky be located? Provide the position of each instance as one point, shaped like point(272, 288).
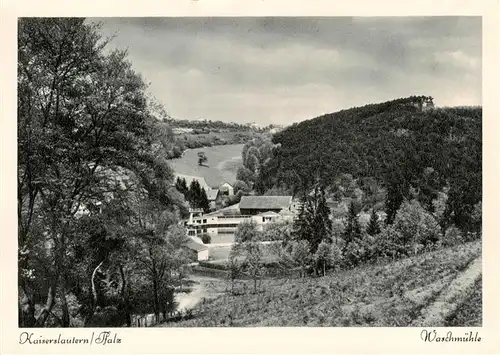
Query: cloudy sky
point(284, 70)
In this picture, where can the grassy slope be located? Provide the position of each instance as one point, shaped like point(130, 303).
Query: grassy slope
point(392, 294)
point(222, 164)
point(469, 312)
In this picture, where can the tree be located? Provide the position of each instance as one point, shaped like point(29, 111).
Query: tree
point(313, 223)
point(202, 158)
point(323, 256)
point(415, 225)
point(452, 237)
point(197, 196)
point(373, 227)
point(393, 201)
point(234, 267)
point(246, 175)
point(253, 261)
point(252, 163)
point(181, 186)
point(159, 250)
point(241, 186)
point(85, 131)
point(301, 255)
point(281, 230)
point(336, 255)
point(246, 232)
point(439, 207)
point(247, 246)
point(352, 229)
point(203, 201)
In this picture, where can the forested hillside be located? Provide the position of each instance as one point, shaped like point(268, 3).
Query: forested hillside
point(407, 150)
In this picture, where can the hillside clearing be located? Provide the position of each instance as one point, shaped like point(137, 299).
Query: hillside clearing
point(222, 164)
point(392, 294)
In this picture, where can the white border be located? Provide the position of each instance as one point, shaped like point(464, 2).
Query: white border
point(251, 340)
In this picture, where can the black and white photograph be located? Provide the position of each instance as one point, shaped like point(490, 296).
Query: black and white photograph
point(250, 172)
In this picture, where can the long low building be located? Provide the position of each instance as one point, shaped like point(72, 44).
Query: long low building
point(259, 209)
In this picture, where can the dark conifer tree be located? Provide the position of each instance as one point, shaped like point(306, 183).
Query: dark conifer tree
point(373, 225)
point(352, 228)
point(313, 223)
point(301, 224)
point(181, 186)
point(393, 201)
point(203, 201)
point(194, 193)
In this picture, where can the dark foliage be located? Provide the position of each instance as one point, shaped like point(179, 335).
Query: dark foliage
point(313, 223)
point(352, 228)
point(398, 143)
point(373, 227)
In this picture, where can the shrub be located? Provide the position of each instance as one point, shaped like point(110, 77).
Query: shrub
point(452, 236)
point(323, 257)
point(414, 225)
point(277, 230)
point(300, 255)
point(386, 244)
point(336, 255)
point(354, 253)
point(246, 231)
point(206, 239)
point(241, 186)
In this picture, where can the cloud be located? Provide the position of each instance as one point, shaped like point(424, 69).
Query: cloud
point(281, 70)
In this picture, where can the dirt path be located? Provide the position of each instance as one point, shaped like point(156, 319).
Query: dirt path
point(204, 287)
point(447, 301)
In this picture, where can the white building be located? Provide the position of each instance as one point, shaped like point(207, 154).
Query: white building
point(259, 209)
point(226, 189)
point(197, 245)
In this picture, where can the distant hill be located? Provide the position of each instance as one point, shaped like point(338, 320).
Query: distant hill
point(406, 145)
point(187, 134)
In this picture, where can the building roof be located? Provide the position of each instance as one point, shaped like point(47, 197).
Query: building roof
point(230, 210)
point(265, 202)
point(191, 244)
point(212, 194)
point(268, 214)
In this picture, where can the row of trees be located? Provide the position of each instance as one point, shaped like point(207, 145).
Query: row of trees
point(314, 243)
point(99, 236)
point(194, 194)
point(347, 243)
point(255, 153)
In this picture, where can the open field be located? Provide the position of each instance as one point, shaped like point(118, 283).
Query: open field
point(222, 164)
point(391, 294)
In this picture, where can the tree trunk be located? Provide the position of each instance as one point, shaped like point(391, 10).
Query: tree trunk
point(64, 306)
point(156, 298)
point(125, 298)
point(94, 290)
point(27, 309)
point(44, 315)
